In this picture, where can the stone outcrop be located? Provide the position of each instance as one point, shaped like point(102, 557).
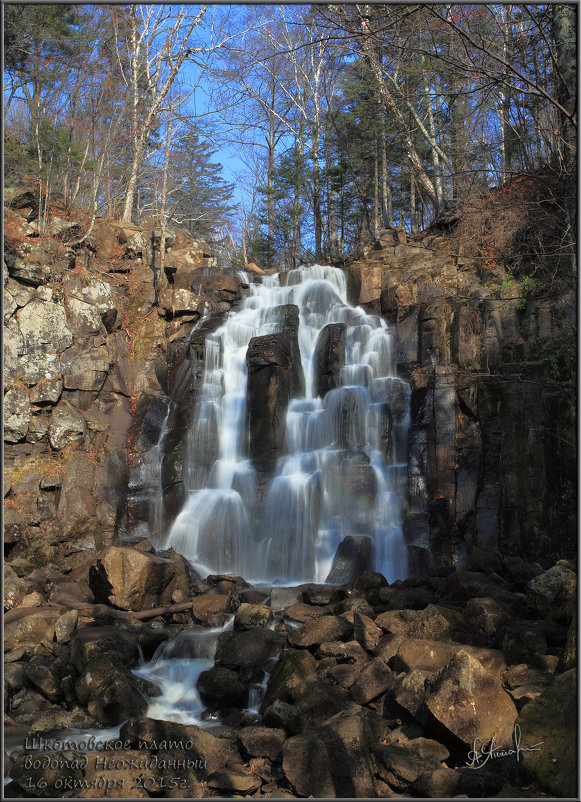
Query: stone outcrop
point(484, 404)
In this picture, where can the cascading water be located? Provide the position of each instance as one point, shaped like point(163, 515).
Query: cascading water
point(358, 428)
point(175, 669)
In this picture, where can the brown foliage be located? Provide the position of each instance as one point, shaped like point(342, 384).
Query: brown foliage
point(522, 225)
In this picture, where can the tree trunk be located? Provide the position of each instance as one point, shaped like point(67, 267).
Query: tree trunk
point(317, 185)
point(564, 25)
point(376, 207)
point(270, 185)
point(367, 45)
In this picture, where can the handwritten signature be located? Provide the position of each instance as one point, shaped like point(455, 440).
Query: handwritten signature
point(484, 750)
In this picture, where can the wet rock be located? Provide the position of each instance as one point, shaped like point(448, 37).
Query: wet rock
point(110, 691)
point(67, 425)
point(555, 588)
point(301, 613)
point(88, 642)
point(433, 623)
point(326, 628)
point(211, 609)
point(352, 557)
point(249, 652)
point(318, 699)
point(262, 741)
point(282, 715)
point(44, 680)
point(350, 652)
point(252, 596)
point(249, 616)
point(369, 581)
point(374, 679)
point(331, 761)
point(290, 672)
point(290, 317)
point(366, 631)
point(131, 579)
point(36, 627)
point(469, 702)
point(550, 720)
point(318, 594)
point(269, 361)
point(329, 358)
point(220, 687)
point(434, 655)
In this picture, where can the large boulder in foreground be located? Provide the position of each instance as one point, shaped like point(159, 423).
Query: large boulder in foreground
point(331, 761)
point(131, 579)
point(468, 702)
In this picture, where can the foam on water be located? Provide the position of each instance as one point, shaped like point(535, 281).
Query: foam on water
point(310, 506)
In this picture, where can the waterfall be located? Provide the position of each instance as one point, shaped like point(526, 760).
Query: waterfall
point(175, 668)
point(343, 468)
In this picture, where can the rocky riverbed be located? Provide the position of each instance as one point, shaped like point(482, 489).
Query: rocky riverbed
point(374, 690)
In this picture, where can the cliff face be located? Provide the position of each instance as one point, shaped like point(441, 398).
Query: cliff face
point(492, 437)
point(96, 342)
point(91, 337)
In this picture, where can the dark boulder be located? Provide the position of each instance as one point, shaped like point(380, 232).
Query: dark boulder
point(551, 720)
point(329, 358)
point(326, 628)
point(220, 687)
point(269, 360)
point(353, 556)
point(262, 741)
point(249, 652)
point(331, 761)
point(468, 702)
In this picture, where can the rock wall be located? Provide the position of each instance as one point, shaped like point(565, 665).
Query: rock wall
point(492, 438)
point(93, 337)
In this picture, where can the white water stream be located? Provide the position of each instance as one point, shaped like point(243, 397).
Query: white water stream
point(310, 506)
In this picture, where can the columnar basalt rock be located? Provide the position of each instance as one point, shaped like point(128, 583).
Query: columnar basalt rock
point(329, 358)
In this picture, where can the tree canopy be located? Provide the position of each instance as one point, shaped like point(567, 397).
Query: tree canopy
point(337, 120)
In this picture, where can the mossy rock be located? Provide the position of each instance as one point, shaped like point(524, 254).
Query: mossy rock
point(551, 719)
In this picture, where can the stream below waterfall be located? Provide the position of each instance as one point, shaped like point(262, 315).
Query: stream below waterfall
point(310, 506)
